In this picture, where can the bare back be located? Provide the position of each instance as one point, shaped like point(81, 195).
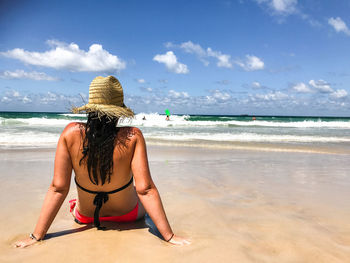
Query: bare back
point(119, 203)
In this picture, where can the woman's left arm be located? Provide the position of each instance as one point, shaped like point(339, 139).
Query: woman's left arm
point(56, 194)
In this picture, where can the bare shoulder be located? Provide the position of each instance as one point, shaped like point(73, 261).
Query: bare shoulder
point(129, 136)
point(72, 129)
point(132, 133)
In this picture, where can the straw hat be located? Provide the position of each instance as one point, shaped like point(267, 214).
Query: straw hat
point(106, 98)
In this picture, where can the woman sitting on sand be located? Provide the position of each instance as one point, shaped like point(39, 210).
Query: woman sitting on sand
point(106, 159)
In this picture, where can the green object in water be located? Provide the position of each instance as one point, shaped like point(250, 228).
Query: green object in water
point(167, 112)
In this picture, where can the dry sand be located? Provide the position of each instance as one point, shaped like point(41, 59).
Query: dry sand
point(235, 205)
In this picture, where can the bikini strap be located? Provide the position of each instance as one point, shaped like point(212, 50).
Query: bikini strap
point(110, 192)
point(100, 199)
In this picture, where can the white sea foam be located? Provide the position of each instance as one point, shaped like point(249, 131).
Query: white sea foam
point(28, 139)
point(81, 115)
point(156, 120)
point(50, 139)
point(36, 121)
point(301, 124)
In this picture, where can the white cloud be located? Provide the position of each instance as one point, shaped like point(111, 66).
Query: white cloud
point(21, 74)
point(338, 94)
point(5, 99)
point(170, 61)
point(284, 6)
point(223, 59)
point(321, 86)
point(25, 99)
point(272, 96)
point(209, 100)
point(190, 47)
point(254, 63)
point(12, 93)
point(147, 89)
point(221, 95)
point(35, 101)
point(256, 85)
point(281, 7)
point(50, 97)
point(169, 45)
point(202, 54)
point(251, 63)
point(339, 25)
point(302, 88)
point(175, 94)
point(70, 57)
point(141, 81)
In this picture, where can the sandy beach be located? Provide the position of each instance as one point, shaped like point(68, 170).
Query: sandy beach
point(235, 205)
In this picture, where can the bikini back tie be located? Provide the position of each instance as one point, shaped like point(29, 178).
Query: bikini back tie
point(100, 199)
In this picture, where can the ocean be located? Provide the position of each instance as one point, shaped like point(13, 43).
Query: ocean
point(33, 130)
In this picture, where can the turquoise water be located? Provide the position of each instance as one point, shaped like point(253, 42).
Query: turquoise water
point(28, 129)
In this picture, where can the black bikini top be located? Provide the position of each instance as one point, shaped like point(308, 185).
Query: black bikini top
point(101, 198)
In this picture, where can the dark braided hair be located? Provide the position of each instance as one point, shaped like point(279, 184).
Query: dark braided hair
point(98, 146)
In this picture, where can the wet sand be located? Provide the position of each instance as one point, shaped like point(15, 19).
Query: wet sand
point(235, 205)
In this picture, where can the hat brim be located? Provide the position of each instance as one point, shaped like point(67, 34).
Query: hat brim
point(105, 109)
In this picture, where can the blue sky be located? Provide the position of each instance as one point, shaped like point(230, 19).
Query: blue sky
point(277, 57)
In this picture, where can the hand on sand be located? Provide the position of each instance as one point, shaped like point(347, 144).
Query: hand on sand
point(25, 242)
point(180, 241)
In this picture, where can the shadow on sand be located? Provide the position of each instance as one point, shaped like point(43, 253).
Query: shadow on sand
point(146, 222)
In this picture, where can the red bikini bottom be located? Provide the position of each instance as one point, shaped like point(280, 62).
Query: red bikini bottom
point(129, 217)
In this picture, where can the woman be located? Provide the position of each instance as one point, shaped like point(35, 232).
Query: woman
point(106, 159)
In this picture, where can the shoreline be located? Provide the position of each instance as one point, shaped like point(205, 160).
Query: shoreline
point(203, 144)
point(264, 147)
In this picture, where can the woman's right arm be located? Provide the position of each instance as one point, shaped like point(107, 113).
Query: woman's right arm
point(56, 194)
point(148, 193)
